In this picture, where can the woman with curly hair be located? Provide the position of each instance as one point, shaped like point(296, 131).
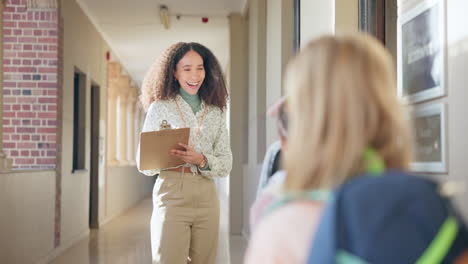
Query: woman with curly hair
point(186, 88)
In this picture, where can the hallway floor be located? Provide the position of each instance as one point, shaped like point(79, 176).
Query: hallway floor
point(126, 240)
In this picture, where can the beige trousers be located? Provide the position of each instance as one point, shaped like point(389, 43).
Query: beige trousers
point(185, 220)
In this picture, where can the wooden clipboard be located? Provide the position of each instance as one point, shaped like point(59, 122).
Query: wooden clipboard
point(155, 148)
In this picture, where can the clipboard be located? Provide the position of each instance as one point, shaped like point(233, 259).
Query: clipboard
point(155, 148)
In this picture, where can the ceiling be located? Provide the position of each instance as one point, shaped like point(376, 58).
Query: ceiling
point(137, 37)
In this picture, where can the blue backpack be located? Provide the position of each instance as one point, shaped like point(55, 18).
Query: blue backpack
point(392, 218)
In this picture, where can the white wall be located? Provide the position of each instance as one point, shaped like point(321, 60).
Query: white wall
point(27, 202)
point(119, 188)
point(457, 38)
point(346, 16)
point(238, 86)
point(317, 18)
point(456, 80)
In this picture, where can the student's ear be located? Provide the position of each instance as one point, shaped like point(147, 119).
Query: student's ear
point(284, 142)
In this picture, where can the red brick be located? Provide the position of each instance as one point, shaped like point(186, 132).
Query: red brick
point(27, 47)
point(26, 115)
point(47, 55)
point(42, 130)
point(27, 85)
point(25, 130)
point(47, 70)
point(27, 32)
point(6, 138)
point(34, 153)
point(37, 32)
point(9, 9)
point(17, 62)
point(10, 39)
point(16, 107)
point(27, 24)
point(52, 122)
point(6, 122)
point(52, 138)
point(47, 85)
point(37, 93)
point(26, 137)
point(47, 25)
point(26, 100)
point(9, 84)
point(8, 130)
point(51, 108)
point(26, 107)
point(15, 17)
point(27, 54)
point(45, 161)
point(18, 32)
point(47, 115)
point(37, 62)
point(27, 69)
point(24, 161)
point(6, 32)
point(9, 114)
point(51, 153)
point(20, 9)
point(10, 54)
point(27, 40)
point(26, 145)
point(36, 123)
point(13, 153)
point(47, 100)
point(27, 62)
point(15, 137)
point(9, 24)
point(9, 145)
point(47, 40)
point(10, 69)
point(25, 153)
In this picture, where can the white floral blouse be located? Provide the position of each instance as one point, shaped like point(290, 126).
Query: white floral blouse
point(213, 141)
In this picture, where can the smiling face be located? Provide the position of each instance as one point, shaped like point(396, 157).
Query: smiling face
point(190, 72)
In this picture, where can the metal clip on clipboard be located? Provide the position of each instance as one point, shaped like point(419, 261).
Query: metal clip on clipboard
point(165, 125)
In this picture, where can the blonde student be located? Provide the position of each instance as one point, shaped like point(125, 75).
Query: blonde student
point(186, 88)
point(345, 120)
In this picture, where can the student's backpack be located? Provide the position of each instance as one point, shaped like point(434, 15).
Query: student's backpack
point(392, 218)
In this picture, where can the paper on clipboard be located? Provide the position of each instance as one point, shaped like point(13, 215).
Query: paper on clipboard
point(156, 145)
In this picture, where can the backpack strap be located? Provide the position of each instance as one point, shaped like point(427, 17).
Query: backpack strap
point(316, 195)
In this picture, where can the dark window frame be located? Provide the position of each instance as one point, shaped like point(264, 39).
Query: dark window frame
point(372, 18)
point(79, 121)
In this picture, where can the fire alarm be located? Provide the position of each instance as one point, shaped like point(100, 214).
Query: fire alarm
point(108, 56)
point(204, 19)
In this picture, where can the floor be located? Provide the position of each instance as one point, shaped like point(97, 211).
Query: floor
point(126, 240)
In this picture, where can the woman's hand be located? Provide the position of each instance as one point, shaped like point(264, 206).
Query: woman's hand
point(189, 155)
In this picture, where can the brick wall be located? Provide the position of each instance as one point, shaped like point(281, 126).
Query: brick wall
point(31, 85)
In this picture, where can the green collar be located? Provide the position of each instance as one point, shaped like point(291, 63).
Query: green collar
point(193, 101)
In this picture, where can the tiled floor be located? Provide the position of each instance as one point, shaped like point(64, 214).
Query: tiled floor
point(126, 240)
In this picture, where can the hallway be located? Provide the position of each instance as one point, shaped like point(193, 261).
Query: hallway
point(126, 239)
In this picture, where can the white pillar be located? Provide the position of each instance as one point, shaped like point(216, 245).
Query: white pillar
point(122, 121)
point(112, 107)
point(130, 127)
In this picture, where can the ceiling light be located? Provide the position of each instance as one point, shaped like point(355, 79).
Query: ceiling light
point(164, 16)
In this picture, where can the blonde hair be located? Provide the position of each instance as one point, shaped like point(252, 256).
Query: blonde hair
point(342, 99)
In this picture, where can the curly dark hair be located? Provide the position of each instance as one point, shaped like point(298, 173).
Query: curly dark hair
point(160, 83)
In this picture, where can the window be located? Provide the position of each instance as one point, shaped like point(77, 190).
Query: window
point(79, 121)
